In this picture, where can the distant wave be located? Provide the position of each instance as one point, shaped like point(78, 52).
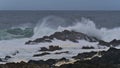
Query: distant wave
point(15, 33)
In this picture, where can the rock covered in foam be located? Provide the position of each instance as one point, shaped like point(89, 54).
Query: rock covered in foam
point(45, 53)
point(64, 35)
point(113, 43)
point(112, 56)
point(88, 47)
point(109, 59)
point(84, 55)
point(51, 48)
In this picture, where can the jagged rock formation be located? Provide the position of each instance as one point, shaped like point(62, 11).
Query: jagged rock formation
point(82, 56)
point(23, 65)
point(51, 48)
point(113, 43)
point(64, 35)
point(72, 36)
point(109, 59)
point(112, 56)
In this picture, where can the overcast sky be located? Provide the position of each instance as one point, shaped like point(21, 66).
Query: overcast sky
point(59, 4)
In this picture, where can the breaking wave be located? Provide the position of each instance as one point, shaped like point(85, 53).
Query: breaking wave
point(51, 24)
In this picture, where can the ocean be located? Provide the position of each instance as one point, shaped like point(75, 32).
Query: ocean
point(13, 24)
point(18, 27)
point(108, 19)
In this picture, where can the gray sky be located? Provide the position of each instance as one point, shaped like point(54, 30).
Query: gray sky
point(59, 4)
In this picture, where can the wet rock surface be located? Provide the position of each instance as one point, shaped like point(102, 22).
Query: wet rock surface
point(51, 48)
point(109, 59)
point(85, 55)
point(73, 37)
point(7, 57)
point(88, 47)
point(23, 65)
point(113, 43)
point(37, 55)
point(65, 52)
point(64, 35)
point(112, 56)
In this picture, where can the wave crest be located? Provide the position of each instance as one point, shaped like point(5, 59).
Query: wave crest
point(85, 26)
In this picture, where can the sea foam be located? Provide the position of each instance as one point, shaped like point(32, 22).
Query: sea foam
point(86, 26)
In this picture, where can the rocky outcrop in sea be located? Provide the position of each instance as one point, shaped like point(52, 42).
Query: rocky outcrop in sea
point(64, 35)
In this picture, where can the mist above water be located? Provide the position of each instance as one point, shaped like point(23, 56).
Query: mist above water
point(52, 24)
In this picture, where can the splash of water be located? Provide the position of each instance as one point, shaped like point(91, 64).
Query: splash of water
point(85, 26)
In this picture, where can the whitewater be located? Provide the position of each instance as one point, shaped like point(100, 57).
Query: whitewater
point(48, 26)
point(85, 26)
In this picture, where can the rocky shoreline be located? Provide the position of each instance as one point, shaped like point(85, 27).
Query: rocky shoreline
point(102, 59)
point(73, 37)
point(64, 35)
point(94, 59)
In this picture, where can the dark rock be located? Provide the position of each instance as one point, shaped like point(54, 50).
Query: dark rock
point(62, 52)
point(51, 48)
point(28, 42)
point(63, 59)
point(37, 62)
point(7, 57)
point(109, 59)
point(51, 61)
point(85, 55)
point(1, 60)
point(87, 65)
point(113, 43)
point(112, 56)
point(44, 49)
point(23, 65)
point(37, 55)
point(101, 42)
point(64, 35)
point(88, 47)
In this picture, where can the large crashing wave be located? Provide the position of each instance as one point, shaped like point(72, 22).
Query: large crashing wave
point(48, 26)
point(51, 24)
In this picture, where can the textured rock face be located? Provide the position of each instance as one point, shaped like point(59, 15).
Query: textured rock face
point(88, 65)
point(109, 59)
point(24, 65)
point(113, 43)
point(64, 35)
point(51, 48)
point(112, 56)
point(85, 55)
